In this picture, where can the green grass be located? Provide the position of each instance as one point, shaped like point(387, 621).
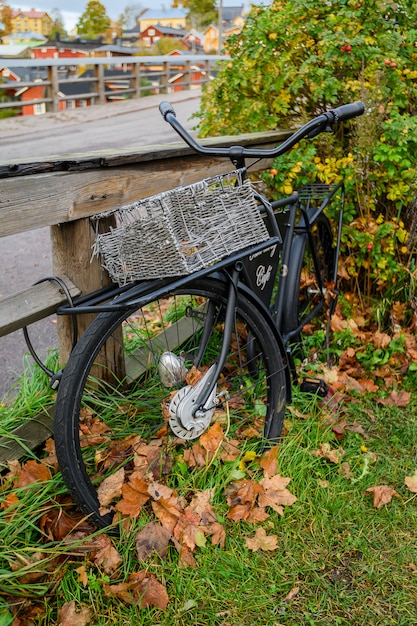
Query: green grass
point(351, 563)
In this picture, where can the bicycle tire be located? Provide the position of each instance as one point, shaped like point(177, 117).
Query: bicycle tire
point(302, 290)
point(77, 402)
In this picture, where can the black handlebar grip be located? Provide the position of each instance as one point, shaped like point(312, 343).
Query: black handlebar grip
point(165, 108)
point(347, 111)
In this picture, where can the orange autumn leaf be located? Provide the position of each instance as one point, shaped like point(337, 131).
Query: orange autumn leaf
point(31, 472)
point(110, 488)
point(275, 494)
point(230, 450)
point(242, 499)
point(269, 461)
point(217, 533)
point(141, 589)
point(9, 501)
point(382, 495)
point(261, 541)
point(82, 575)
point(167, 506)
point(92, 429)
point(187, 531)
point(212, 439)
point(195, 456)
point(134, 495)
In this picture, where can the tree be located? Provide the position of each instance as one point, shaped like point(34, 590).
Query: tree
point(129, 16)
point(58, 27)
point(293, 60)
point(165, 45)
point(94, 21)
point(200, 12)
point(5, 18)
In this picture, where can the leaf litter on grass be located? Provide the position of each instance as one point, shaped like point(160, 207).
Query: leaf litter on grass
point(186, 520)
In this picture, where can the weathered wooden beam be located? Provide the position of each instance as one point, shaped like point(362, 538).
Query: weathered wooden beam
point(33, 304)
point(100, 183)
point(28, 436)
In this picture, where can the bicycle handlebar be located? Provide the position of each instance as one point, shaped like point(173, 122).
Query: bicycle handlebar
point(315, 126)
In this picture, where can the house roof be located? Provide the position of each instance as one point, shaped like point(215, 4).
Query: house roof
point(36, 15)
point(24, 74)
point(231, 13)
point(13, 50)
point(168, 30)
point(35, 37)
point(117, 49)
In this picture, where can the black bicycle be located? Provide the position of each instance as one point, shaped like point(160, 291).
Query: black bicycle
point(199, 326)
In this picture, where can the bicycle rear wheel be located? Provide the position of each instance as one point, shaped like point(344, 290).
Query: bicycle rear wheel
point(163, 340)
point(306, 287)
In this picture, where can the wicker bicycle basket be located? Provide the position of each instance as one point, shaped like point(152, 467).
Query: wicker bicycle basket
point(180, 231)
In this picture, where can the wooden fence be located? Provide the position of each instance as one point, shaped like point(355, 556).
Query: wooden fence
point(63, 194)
point(130, 77)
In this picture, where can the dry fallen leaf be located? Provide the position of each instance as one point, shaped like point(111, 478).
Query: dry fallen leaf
point(110, 488)
point(212, 439)
point(327, 452)
point(261, 541)
point(382, 495)
point(106, 555)
point(31, 472)
point(82, 575)
point(152, 538)
point(68, 615)
point(269, 461)
point(275, 494)
point(411, 482)
point(396, 398)
point(292, 594)
point(141, 589)
point(134, 495)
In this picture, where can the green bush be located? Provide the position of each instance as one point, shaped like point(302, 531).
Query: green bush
point(294, 60)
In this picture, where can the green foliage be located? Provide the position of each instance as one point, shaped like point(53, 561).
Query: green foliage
point(165, 45)
point(94, 21)
point(58, 27)
point(294, 60)
point(200, 12)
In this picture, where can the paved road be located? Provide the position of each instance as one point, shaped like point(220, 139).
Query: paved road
point(26, 257)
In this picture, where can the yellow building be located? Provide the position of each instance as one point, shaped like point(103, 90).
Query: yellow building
point(30, 22)
point(172, 18)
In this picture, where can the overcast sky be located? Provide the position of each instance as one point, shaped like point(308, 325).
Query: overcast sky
point(72, 9)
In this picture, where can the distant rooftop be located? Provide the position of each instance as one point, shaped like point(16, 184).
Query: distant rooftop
point(36, 15)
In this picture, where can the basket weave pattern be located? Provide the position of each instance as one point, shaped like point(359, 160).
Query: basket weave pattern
point(181, 231)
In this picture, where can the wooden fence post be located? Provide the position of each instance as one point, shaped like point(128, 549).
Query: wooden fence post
point(71, 255)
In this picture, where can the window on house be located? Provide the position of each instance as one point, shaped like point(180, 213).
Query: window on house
point(70, 104)
point(39, 108)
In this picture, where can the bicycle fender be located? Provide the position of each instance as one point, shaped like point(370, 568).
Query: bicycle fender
point(252, 297)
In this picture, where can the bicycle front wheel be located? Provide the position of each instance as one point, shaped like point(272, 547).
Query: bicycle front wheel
point(306, 284)
point(165, 343)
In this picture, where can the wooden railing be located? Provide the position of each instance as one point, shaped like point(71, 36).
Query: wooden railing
point(63, 194)
point(133, 77)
